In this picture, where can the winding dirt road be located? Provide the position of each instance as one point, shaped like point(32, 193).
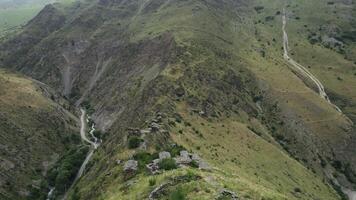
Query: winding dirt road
point(305, 72)
point(300, 68)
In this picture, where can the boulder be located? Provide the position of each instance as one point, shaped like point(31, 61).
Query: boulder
point(201, 112)
point(184, 154)
point(155, 121)
point(155, 127)
point(134, 131)
point(184, 158)
point(164, 155)
point(182, 161)
point(203, 165)
point(156, 161)
point(227, 193)
point(145, 131)
point(153, 168)
point(131, 165)
point(196, 157)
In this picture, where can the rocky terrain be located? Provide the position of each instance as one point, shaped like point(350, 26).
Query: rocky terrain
point(198, 97)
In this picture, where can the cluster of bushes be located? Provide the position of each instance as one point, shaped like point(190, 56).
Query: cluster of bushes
point(86, 105)
point(38, 193)
point(175, 150)
point(349, 35)
point(314, 38)
point(345, 169)
point(178, 194)
point(134, 142)
point(167, 164)
point(63, 173)
point(144, 158)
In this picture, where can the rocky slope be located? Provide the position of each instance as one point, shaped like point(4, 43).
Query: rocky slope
point(208, 77)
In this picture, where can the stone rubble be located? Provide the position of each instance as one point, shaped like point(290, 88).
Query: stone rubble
point(184, 159)
point(227, 193)
point(164, 155)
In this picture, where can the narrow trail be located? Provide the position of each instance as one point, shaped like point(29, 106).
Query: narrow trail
point(302, 70)
point(94, 145)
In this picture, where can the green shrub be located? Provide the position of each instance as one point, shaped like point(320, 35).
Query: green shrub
point(194, 164)
point(134, 142)
point(144, 158)
point(152, 182)
point(167, 164)
point(97, 134)
point(178, 194)
point(298, 190)
point(63, 173)
point(175, 150)
point(75, 195)
point(191, 176)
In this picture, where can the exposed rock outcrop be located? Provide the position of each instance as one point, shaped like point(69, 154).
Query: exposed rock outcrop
point(131, 166)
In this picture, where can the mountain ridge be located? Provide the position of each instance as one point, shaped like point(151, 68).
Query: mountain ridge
point(215, 71)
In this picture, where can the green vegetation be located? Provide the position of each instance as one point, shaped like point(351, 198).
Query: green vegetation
point(167, 164)
point(175, 149)
point(152, 182)
point(144, 158)
point(134, 142)
point(31, 127)
point(178, 194)
point(63, 173)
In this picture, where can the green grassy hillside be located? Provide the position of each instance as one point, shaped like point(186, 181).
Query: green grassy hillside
point(35, 131)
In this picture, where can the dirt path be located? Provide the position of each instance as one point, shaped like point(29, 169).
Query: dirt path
point(301, 69)
point(305, 72)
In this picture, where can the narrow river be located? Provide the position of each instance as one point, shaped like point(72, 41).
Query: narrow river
point(84, 119)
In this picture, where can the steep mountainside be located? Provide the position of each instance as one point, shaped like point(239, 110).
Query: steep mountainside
point(35, 131)
point(209, 77)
